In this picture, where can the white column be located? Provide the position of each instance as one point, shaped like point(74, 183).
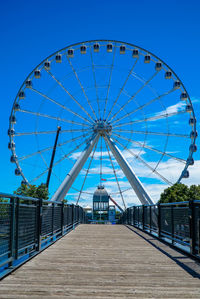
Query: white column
point(135, 183)
point(71, 176)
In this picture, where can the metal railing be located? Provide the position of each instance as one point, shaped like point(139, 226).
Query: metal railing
point(175, 223)
point(28, 225)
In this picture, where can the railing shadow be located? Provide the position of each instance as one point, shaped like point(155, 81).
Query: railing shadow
point(193, 272)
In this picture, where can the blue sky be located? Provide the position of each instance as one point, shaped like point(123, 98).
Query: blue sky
point(30, 31)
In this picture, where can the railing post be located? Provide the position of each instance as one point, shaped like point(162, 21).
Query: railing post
point(72, 216)
point(39, 223)
point(12, 231)
point(52, 227)
point(172, 223)
point(150, 218)
point(62, 217)
point(192, 227)
point(17, 228)
point(143, 207)
point(159, 220)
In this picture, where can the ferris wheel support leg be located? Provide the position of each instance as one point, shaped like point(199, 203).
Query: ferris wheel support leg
point(135, 183)
point(71, 176)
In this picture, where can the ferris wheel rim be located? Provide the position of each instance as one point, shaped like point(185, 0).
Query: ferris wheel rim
point(111, 41)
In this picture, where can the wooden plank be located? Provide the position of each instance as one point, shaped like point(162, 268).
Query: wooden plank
point(105, 261)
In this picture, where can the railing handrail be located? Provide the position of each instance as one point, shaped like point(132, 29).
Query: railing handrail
point(168, 204)
point(7, 195)
point(177, 223)
point(28, 225)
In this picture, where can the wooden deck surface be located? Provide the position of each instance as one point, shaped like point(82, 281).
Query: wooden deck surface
point(105, 261)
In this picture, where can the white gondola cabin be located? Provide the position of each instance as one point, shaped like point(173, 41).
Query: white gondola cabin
point(147, 58)
point(70, 53)
point(96, 47)
point(28, 83)
point(135, 53)
point(185, 174)
point(11, 145)
point(83, 49)
point(193, 134)
point(122, 49)
point(109, 48)
point(168, 75)
point(192, 121)
point(183, 96)
point(177, 84)
point(158, 66)
point(58, 58)
point(21, 95)
point(47, 65)
point(13, 119)
point(17, 171)
point(193, 148)
point(37, 74)
point(188, 108)
point(190, 161)
point(11, 132)
point(13, 158)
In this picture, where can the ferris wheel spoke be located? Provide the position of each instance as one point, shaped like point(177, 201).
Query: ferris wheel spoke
point(153, 118)
point(110, 77)
point(83, 90)
point(101, 160)
point(152, 133)
point(133, 96)
point(87, 171)
point(95, 83)
point(142, 106)
point(145, 163)
point(123, 86)
point(68, 154)
point(51, 147)
point(69, 94)
point(60, 105)
point(48, 132)
point(114, 172)
point(151, 148)
point(38, 176)
point(53, 117)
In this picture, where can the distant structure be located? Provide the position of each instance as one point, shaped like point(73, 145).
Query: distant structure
point(101, 209)
point(100, 204)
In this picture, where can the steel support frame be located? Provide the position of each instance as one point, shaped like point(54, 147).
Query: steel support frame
point(72, 175)
point(134, 181)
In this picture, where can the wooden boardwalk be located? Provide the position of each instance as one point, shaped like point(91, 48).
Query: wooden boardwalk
point(105, 261)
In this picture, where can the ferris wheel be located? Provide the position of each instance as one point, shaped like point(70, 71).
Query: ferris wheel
point(119, 115)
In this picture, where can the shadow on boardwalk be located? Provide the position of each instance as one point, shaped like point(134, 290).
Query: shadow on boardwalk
point(104, 261)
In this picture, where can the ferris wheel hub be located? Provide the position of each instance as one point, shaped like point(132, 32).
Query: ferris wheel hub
point(102, 127)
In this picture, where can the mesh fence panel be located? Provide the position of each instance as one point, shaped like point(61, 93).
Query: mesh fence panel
point(197, 225)
point(65, 221)
point(147, 217)
point(166, 220)
point(27, 225)
point(5, 222)
point(140, 215)
point(154, 218)
point(181, 223)
point(46, 220)
point(57, 218)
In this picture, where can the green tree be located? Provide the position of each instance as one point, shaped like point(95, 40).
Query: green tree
point(194, 192)
point(40, 191)
point(176, 193)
